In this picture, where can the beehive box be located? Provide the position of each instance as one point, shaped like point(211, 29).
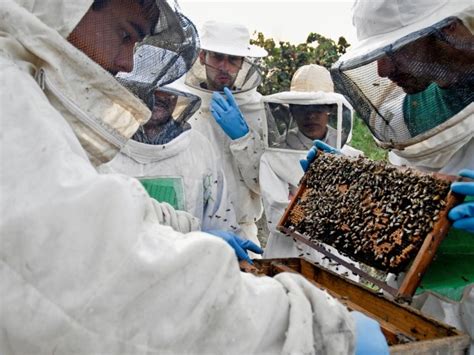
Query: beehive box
point(389, 218)
point(407, 331)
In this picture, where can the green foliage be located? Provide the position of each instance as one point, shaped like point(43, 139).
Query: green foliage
point(285, 58)
point(363, 140)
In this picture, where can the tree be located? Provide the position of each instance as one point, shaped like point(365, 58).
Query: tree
point(283, 60)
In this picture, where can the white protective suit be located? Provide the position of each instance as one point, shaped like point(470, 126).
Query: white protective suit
point(187, 162)
point(240, 157)
point(86, 267)
point(385, 29)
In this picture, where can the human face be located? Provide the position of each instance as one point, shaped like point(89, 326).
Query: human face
point(163, 108)
point(312, 120)
point(409, 67)
point(221, 69)
point(444, 57)
point(108, 35)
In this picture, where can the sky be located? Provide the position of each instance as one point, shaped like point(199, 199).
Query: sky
point(282, 20)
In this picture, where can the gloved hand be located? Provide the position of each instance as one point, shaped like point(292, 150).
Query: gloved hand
point(369, 337)
point(227, 114)
point(317, 144)
point(239, 245)
point(463, 214)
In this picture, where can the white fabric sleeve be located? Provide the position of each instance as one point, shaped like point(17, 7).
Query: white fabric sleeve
point(166, 215)
point(275, 197)
point(275, 194)
point(181, 221)
point(246, 152)
point(328, 320)
point(219, 213)
point(86, 268)
point(349, 151)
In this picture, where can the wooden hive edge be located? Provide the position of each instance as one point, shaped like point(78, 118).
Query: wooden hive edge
point(445, 340)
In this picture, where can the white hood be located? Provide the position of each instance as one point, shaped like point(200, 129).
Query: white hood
point(103, 114)
point(62, 16)
point(428, 126)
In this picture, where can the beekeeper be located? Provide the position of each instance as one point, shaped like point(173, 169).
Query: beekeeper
point(231, 120)
point(411, 77)
point(309, 111)
point(86, 267)
point(163, 155)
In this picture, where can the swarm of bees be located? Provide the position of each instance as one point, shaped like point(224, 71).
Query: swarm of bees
point(373, 212)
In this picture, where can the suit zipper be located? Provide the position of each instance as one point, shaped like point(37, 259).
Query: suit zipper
point(113, 137)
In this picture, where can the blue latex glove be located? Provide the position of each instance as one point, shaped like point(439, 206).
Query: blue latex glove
point(317, 144)
point(463, 214)
point(227, 114)
point(239, 245)
point(369, 337)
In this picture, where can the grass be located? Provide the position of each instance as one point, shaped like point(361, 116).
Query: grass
point(362, 139)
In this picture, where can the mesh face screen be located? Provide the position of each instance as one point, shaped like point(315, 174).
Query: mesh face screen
point(295, 126)
point(205, 76)
point(150, 43)
point(406, 90)
point(110, 30)
point(170, 111)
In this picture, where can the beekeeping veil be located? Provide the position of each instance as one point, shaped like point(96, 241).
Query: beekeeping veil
point(173, 108)
point(411, 76)
point(164, 56)
point(67, 37)
point(233, 40)
point(311, 88)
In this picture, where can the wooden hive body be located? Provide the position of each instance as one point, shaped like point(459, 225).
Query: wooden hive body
point(407, 330)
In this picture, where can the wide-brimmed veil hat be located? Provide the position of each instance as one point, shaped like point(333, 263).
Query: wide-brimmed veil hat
point(382, 23)
point(310, 85)
point(229, 38)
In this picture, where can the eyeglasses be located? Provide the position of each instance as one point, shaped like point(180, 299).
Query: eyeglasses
point(233, 60)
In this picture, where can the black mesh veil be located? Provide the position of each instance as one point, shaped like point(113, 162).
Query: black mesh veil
point(164, 56)
point(411, 89)
point(171, 109)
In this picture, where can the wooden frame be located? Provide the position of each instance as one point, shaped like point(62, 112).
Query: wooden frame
point(407, 330)
point(420, 263)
